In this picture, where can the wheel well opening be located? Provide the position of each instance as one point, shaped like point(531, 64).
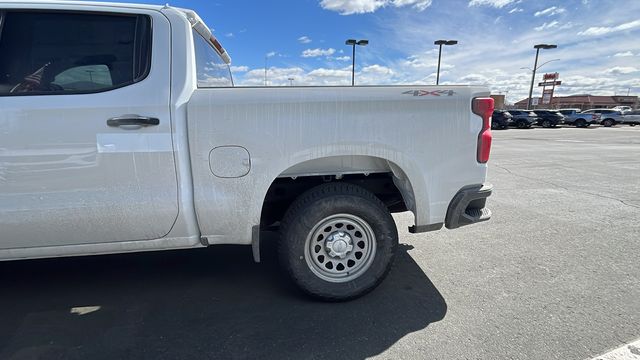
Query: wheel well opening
point(283, 191)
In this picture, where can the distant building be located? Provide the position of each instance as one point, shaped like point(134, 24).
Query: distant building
point(498, 101)
point(583, 102)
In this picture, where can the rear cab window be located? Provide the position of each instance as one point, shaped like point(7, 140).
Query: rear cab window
point(211, 70)
point(70, 52)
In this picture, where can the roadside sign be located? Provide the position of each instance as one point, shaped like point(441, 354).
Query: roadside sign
point(546, 96)
point(551, 76)
point(550, 83)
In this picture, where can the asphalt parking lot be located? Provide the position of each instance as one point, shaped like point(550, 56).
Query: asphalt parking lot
point(554, 275)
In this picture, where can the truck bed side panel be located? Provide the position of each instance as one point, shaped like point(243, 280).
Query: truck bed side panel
point(428, 132)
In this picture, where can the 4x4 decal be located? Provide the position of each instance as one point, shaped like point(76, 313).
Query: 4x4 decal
point(430, 93)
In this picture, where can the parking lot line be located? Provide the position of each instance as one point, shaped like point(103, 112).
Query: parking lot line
point(630, 351)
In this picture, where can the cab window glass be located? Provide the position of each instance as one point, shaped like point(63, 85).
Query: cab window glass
point(212, 71)
point(70, 52)
point(86, 77)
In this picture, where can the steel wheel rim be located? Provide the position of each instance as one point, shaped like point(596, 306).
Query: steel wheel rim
point(327, 248)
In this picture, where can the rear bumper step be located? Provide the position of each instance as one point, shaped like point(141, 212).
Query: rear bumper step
point(468, 206)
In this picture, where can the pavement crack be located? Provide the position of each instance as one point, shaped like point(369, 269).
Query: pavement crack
point(564, 187)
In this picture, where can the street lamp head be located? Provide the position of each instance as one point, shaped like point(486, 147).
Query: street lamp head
point(350, 42)
point(445, 42)
point(363, 42)
point(545, 46)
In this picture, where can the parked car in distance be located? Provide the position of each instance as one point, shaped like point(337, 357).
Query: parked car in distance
point(609, 117)
point(632, 118)
point(622, 108)
point(549, 118)
point(501, 119)
point(523, 119)
point(577, 118)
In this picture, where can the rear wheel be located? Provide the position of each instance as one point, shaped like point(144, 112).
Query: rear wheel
point(546, 123)
point(521, 124)
point(338, 241)
point(608, 122)
point(581, 123)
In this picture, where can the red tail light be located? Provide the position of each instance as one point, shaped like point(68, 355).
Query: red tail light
point(484, 108)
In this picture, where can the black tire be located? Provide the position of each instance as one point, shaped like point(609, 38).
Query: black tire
point(494, 126)
point(546, 123)
point(521, 124)
point(580, 123)
point(608, 122)
point(632, 124)
point(308, 215)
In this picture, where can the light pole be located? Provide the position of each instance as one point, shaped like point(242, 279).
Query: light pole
point(290, 81)
point(353, 43)
point(265, 69)
point(535, 67)
point(440, 43)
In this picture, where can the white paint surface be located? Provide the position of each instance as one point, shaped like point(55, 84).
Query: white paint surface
point(136, 142)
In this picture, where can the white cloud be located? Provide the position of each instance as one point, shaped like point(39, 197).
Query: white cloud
point(554, 25)
point(378, 69)
point(343, 58)
point(499, 4)
point(304, 40)
point(603, 30)
point(547, 26)
point(239, 68)
point(372, 74)
point(516, 10)
point(318, 52)
point(618, 70)
point(567, 25)
point(330, 73)
point(420, 5)
point(229, 34)
point(554, 10)
point(623, 54)
point(474, 79)
point(271, 54)
point(422, 62)
point(275, 76)
point(349, 7)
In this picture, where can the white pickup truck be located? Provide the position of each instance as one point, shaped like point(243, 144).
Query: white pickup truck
point(121, 131)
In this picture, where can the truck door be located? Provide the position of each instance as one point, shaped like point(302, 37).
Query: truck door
point(85, 132)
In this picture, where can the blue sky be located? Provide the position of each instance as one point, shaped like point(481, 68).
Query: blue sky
point(598, 41)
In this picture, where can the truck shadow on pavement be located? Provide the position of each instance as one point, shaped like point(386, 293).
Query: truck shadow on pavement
point(199, 304)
